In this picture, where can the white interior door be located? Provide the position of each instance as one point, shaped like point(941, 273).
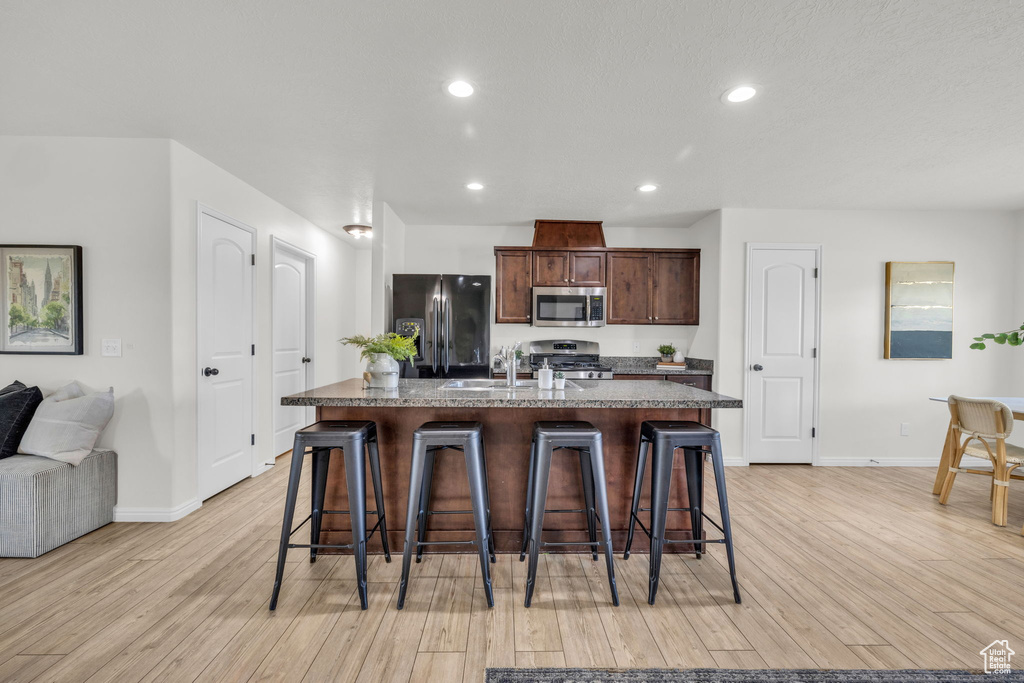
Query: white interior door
point(782, 330)
point(293, 340)
point(225, 341)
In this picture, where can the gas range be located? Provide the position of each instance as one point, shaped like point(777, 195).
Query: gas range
point(577, 359)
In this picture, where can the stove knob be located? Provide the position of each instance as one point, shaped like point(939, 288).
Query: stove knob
point(591, 375)
point(600, 375)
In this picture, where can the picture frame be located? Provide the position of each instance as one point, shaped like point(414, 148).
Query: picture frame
point(919, 310)
point(42, 299)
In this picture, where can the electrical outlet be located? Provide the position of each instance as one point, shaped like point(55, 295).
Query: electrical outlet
point(111, 347)
point(904, 429)
point(636, 347)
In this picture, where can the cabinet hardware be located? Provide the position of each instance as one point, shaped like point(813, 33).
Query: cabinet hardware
point(655, 317)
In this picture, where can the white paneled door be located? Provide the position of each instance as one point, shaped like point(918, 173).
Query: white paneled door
point(293, 337)
point(782, 333)
point(225, 352)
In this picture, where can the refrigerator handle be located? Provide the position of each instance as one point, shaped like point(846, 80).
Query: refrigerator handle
point(434, 324)
point(447, 333)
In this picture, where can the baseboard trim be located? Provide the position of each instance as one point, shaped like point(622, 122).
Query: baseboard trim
point(122, 514)
point(886, 462)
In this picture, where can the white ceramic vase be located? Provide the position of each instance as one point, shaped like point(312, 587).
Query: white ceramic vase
point(679, 357)
point(381, 372)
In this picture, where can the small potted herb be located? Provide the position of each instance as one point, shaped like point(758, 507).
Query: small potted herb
point(559, 379)
point(666, 351)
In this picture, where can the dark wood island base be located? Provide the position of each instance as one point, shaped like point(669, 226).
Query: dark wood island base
point(507, 434)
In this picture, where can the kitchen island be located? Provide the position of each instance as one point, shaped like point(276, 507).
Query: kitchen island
point(615, 407)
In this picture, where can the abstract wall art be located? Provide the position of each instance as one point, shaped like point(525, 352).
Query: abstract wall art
point(919, 310)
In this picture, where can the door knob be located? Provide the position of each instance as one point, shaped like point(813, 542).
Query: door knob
point(211, 371)
point(307, 360)
point(757, 367)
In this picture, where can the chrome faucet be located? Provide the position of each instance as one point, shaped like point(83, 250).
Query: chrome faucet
point(507, 357)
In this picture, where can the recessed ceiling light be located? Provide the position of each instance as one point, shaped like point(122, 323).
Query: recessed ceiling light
point(474, 186)
point(740, 93)
point(358, 231)
point(646, 188)
point(460, 88)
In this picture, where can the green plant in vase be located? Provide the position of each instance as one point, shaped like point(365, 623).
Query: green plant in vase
point(383, 351)
point(666, 351)
point(559, 378)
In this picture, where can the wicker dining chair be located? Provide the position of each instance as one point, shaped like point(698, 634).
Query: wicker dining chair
point(986, 424)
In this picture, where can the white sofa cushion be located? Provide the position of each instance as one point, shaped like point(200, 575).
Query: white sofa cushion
point(67, 424)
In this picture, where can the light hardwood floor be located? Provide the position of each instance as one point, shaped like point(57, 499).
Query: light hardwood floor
point(839, 567)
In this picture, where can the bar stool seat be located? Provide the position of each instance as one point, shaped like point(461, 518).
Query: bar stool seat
point(428, 439)
point(696, 440)
point(586, 439)
point(353, 437)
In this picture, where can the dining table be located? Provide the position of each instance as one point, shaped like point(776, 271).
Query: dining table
point(1014, 403)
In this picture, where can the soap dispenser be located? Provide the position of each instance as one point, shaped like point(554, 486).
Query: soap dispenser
point(545, 376)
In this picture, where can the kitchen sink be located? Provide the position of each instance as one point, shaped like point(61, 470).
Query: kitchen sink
point(498, 384)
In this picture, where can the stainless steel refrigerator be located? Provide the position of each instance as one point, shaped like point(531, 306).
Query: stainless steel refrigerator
point(453, 315)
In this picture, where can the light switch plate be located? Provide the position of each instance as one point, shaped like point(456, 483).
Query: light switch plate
point(904, 429)
point(111, 347)
point(636, 347)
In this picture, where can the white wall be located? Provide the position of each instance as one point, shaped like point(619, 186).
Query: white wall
point(388, 258)
point(196, 180)
point(864, 398)
point(131, 204)
point(111, 197)
point(469, 250)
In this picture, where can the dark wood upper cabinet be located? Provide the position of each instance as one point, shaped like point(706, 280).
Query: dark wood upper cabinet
point(550, 269)
point(514, 277)
point(629, 288)
point(676, 288)
point(645, 286)
point(586, 268)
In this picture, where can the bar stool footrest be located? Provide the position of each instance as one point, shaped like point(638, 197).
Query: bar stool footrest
point(547, 543)
point(419, 543)
point(347, 546)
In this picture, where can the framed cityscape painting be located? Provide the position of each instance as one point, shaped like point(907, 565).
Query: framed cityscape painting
point(42, 299)
point(919, 310)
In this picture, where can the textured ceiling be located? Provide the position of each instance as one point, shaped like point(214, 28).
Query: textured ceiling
point(327, 105)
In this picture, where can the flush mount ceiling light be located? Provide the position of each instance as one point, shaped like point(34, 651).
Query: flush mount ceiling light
point(460, 88)
point(741, 93)
point(474, 186)
point(647, 187)
point(358, 231)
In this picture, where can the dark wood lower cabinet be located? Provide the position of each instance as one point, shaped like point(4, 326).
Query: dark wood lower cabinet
point(507, 434)
point(698, 381)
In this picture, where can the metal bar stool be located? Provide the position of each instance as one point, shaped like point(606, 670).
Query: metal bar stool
point(696, 440)
point(352, 437)
point(583, 437)
point(427, 440)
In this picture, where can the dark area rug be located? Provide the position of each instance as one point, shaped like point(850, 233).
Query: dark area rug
point(742, 676)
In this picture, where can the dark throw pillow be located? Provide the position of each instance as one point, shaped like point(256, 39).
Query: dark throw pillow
point(18, 404)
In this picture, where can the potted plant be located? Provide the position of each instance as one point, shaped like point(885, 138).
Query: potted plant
point(666, 351)
point(559, 379)
point(383, 352)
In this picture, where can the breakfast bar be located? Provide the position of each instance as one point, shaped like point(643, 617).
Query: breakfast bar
point(508, 415)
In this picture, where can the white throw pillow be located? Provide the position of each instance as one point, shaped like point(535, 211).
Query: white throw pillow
point(67, 424)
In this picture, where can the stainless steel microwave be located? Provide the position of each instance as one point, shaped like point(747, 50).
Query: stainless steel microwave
point(569, 306)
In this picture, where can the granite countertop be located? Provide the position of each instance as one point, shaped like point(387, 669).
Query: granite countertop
point(412, 393)
point(642, 365)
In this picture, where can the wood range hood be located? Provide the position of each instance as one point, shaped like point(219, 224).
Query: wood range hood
point(555, 234)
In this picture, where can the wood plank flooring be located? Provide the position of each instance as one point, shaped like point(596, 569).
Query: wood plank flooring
point(839, 568)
